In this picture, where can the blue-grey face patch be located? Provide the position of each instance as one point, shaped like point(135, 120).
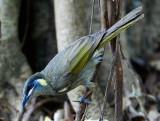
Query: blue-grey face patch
point(31, 86)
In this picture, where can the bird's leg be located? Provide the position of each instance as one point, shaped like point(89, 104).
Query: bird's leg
point(91, 86)
point(97, 56)
point(82, 98)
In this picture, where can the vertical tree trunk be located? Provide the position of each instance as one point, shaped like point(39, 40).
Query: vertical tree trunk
point(14, 69)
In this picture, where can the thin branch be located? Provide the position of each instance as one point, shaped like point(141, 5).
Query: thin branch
point(90, 30)
point(82, 106)
point(33, 106)
point(104, 14)
point(84, 113)
point(113, 16)
point(110, 77)
point(22, 110)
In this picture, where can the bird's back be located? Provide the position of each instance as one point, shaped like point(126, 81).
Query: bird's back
point(72, 58)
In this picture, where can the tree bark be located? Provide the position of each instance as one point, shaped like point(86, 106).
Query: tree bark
point(14, 69)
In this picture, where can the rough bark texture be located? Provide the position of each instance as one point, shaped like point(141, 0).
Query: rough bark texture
point(14, 69)
point(69, 22)
point(70, 25)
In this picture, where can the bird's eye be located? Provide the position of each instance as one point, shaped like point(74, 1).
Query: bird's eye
point(30, 86)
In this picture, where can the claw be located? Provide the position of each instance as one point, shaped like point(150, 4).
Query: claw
point(82, 99)
point(101, 58)
point(98, 59)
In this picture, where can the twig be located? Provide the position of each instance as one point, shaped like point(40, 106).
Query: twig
point(33, 106)
point(90, 30)
point(27, 113)
point(118, 88)
point(104, 14)
point(106, 23)
point(21, 114)
point(84, 112)
point(108, 84)
point(82, 106)
point(114, 13)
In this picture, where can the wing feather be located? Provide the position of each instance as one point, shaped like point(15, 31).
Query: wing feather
point(84, 54)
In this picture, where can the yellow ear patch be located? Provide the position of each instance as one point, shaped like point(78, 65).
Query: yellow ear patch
point(42, 82)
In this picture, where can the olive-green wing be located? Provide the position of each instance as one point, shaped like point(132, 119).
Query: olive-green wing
point(97, 41)
point(79, 52)
point(77, 55)
point(86, 51)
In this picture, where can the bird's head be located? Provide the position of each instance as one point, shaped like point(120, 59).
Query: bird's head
point(34, 86)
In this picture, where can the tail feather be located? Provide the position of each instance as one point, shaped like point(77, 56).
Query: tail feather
point(121, 25)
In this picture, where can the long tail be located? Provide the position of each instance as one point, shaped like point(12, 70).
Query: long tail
point(121, 25)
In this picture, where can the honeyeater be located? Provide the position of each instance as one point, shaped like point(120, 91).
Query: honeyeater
point(76, 64)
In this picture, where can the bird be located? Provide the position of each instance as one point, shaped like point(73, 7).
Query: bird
point(76, 64)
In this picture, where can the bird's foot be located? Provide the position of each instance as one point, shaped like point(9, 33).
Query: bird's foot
point(98, 59)
point(82, 99)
